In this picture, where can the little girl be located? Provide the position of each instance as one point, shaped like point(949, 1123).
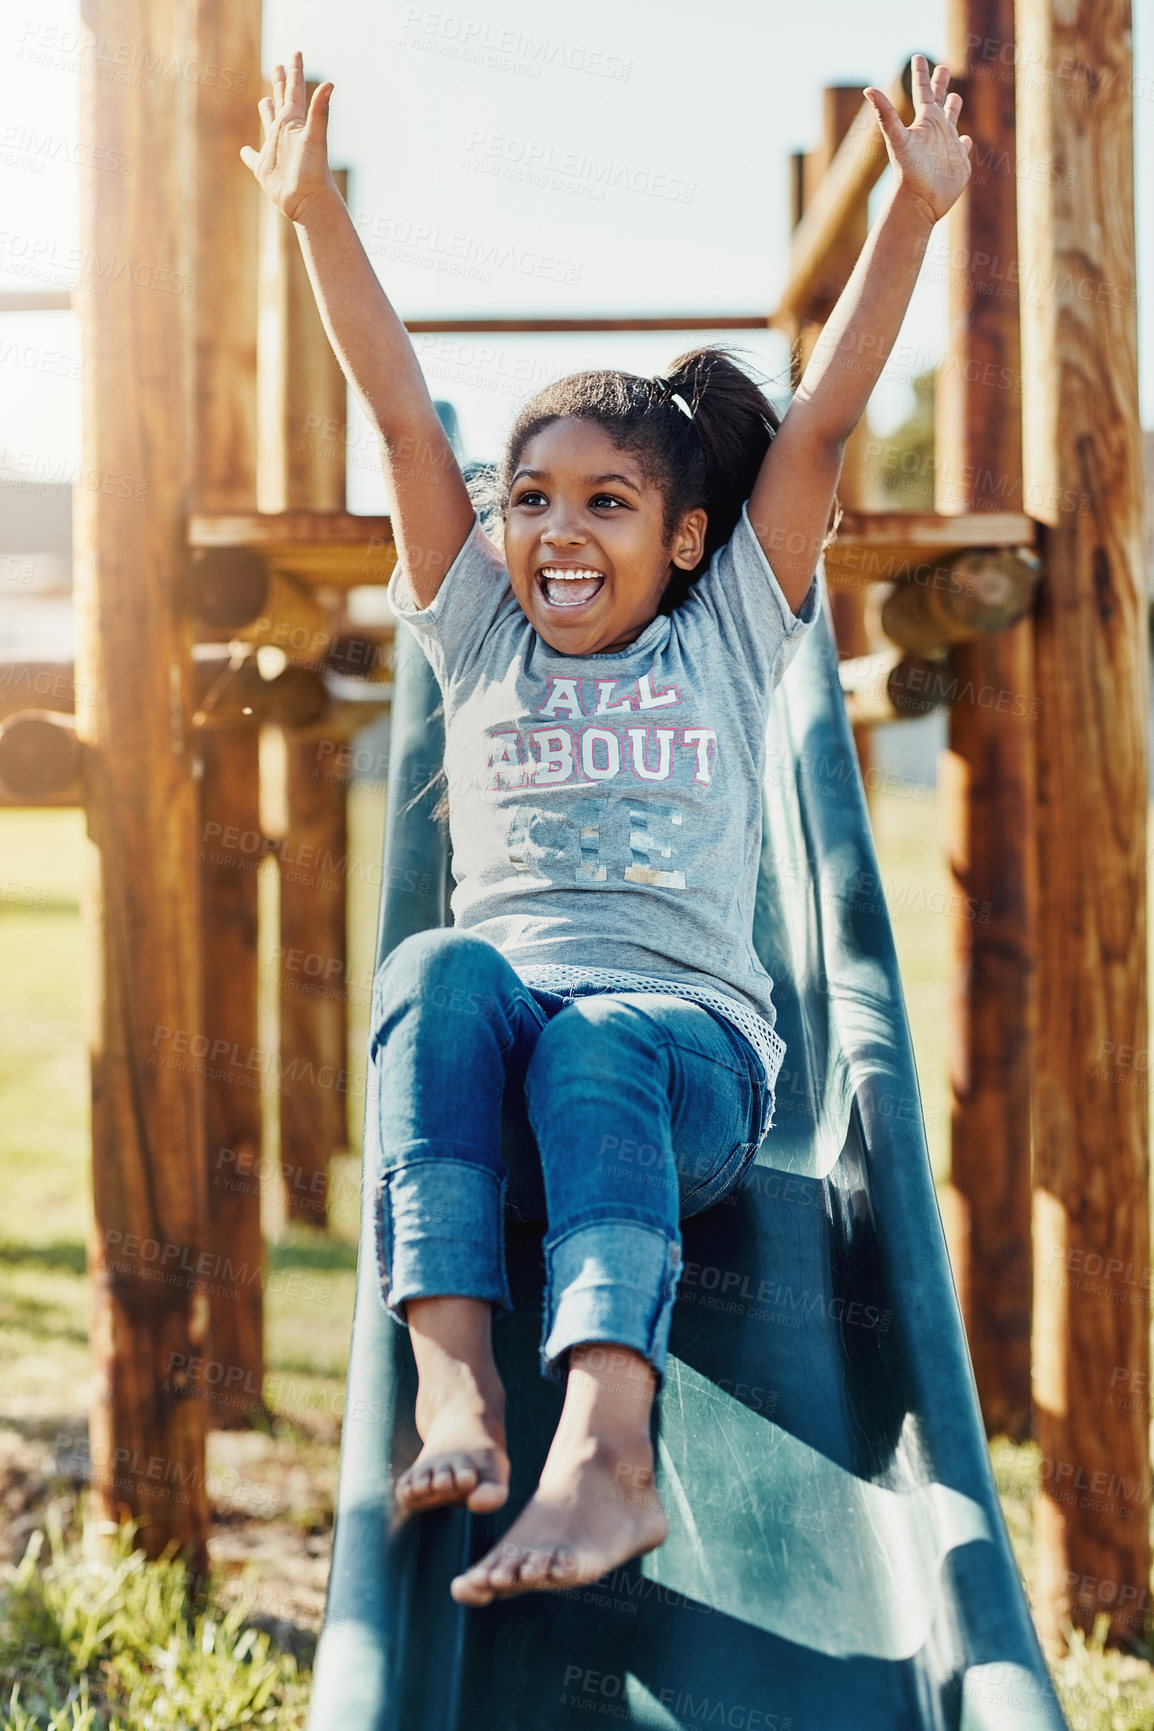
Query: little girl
point(592, 1042)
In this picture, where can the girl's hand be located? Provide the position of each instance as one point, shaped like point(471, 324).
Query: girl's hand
point(292, 164)
point(931, 163)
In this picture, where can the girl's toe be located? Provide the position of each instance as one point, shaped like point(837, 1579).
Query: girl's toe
point(486, 1496)
point(505, 1573)
point(472, 1588)
point(536, 1569)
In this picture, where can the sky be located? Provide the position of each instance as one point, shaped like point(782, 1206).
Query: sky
point(529, 158)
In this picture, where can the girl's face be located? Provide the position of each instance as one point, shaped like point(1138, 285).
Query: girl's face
point(584, 540)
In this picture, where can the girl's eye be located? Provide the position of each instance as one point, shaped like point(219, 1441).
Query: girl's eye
point(531, 496)
point(600, 500)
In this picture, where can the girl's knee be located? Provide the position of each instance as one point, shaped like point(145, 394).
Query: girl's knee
point(441, 967)
point(595, 1037)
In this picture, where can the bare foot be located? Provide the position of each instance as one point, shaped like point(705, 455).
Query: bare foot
point(595, 1505)
point(460, 1410)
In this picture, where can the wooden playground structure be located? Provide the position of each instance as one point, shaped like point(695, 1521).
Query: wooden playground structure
point(218, 674)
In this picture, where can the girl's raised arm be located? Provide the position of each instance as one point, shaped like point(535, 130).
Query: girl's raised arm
point(432, 512)
point(789, 507)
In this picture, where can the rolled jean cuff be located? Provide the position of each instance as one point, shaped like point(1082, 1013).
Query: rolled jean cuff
point(441, 1232)
point(613, 1281)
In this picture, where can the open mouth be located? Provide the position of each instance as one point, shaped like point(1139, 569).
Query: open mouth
point(569, 586)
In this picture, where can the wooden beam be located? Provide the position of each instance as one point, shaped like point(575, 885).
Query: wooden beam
point(1082, 466)
point(133, 692)
point(320, 547)
point(518, 326)
point(987, 776)
point(844, 190)
point(896, 546)
point(224, 446)
point(60, 300)
point(36, 300)
point(338, 549)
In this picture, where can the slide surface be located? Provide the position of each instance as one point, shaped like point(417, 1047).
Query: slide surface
point(837, 1559)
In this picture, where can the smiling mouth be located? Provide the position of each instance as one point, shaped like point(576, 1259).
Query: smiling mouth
point(564, 586)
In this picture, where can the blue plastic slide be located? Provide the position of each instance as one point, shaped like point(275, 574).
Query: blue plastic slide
point(837, 1558)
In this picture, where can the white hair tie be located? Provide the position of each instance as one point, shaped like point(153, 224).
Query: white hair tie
point(669, 395)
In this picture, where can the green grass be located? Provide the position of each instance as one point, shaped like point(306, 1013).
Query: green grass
point(91, 1639)
point(911, 860)
point(94, 1638)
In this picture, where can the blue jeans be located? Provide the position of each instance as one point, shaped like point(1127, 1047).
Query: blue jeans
point(610, 1115)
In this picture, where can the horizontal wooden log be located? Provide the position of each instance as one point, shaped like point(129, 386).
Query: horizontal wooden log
point(344, 718)
point(235, 591)
point(231, 695)
point(226, 586)
point(235, 595)
point(364, 654)
point(845, 186)
point(317, 547)
point(892, 546)
point(965, 598)
point(40, 758)
point(891, 686)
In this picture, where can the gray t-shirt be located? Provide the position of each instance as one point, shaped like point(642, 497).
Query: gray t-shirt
point(605, 810)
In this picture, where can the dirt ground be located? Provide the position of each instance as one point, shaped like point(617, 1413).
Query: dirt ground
point(272, 1513)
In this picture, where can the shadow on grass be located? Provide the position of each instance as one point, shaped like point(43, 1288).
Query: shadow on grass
point(65, 1256)
point(54, 905)
point(38, 1316)
point(62, 1256)
point(325, 1255)
point(67, 1429)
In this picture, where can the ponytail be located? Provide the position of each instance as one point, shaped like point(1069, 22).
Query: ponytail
point(735, 422)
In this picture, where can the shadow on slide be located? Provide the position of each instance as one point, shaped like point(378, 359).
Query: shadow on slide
point(837, 1558)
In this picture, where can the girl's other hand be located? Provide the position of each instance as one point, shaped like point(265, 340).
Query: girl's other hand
point(931, 162)
point(292, 164)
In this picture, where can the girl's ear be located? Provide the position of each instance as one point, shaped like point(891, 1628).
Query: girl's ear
point(689, 539)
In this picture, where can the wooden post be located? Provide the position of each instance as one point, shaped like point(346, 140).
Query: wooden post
point(313, 983)
point(987, 772)
point(229, 803)
point(224, 439)
point(302, 467)
point(1083, 480)
point(148, 1249)
point(841, 109)
point(302, 391)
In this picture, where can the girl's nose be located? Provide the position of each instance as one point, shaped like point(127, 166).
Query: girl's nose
point(561, 534)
